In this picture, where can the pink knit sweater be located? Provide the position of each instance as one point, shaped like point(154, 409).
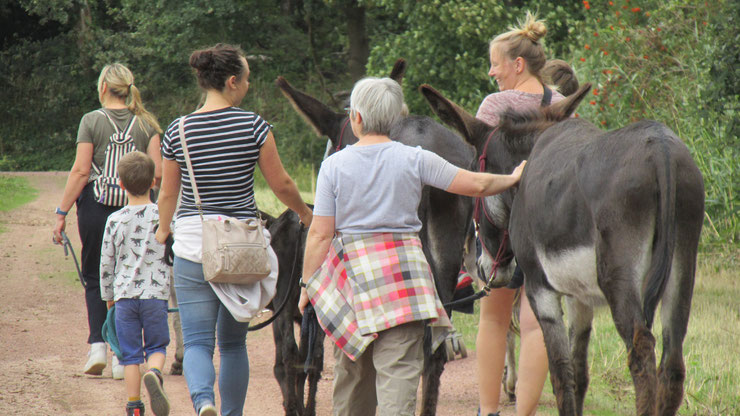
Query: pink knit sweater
point(495, 104)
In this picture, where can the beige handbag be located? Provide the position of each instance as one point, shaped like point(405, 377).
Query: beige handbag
point(234, 251)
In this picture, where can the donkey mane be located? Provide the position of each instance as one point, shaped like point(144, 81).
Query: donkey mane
point(519, 127)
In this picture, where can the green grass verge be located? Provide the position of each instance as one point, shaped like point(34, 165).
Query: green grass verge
point(267, 201)
point(14, 192)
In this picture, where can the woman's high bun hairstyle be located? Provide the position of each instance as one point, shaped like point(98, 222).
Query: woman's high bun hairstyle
point(214, 65)
point(524, 41)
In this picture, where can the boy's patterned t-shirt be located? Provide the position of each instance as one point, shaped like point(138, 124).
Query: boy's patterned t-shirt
point(132, 262)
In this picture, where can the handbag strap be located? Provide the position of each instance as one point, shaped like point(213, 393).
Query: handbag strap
point(189, 164)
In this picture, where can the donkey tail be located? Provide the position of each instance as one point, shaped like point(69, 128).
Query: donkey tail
point(665, 229)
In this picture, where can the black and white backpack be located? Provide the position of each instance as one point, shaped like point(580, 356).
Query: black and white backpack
point(107, 190)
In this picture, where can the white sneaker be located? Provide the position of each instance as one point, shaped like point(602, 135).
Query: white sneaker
point(208, 410)
point(97, 358)
point(117, 368)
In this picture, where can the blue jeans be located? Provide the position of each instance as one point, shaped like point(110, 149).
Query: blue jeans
point(135, 315)
point(203, 318)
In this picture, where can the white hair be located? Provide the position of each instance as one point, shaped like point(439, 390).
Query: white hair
point(379, 101)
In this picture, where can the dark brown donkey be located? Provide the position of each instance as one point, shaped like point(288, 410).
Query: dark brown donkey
point(599, 217)
point(445, 216)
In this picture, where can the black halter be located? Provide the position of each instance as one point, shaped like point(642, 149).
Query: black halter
point(500, 256)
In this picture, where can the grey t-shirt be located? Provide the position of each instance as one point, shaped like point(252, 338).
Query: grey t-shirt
point(96, 129)
point(377, 188)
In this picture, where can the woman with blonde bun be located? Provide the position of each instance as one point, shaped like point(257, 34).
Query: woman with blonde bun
point(120, 102)
point(517, 58)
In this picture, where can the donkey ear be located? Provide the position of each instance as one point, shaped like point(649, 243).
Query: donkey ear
point(319, 116)
point(454, 115)
point(564, 108)
point(399, 70)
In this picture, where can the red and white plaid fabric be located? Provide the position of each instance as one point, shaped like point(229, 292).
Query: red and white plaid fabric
point(372, 282)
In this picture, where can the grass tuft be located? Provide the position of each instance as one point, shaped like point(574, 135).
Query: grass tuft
point(14, 192)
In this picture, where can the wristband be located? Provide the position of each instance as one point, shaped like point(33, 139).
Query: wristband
point(301, 283)
point(60, 212)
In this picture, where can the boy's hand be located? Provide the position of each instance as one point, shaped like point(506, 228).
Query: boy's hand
point(110, 303)
point(161, 235)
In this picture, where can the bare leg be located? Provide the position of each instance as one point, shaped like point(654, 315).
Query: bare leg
point(495, 316)
point(156, 361)
point(533, 363)
point(132, 378)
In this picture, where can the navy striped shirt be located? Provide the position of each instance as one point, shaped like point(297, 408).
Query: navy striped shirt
point(224, 147)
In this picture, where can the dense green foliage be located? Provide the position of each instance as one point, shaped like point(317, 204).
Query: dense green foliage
point(673, 61)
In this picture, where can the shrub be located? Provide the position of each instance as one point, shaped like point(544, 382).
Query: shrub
point(656, 60)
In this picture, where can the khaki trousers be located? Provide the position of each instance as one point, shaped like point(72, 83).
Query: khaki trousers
point(385, 376)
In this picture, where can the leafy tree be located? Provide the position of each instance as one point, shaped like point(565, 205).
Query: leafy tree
point(446, 43)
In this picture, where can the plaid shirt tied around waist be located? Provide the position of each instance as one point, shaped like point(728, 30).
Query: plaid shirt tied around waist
point(372, 282)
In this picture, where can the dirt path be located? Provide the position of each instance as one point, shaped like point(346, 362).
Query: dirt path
point(43, 332)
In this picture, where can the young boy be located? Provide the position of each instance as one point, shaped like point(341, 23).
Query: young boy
point(134, 275)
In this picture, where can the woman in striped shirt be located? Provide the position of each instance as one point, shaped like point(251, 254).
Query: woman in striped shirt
point(225, 144)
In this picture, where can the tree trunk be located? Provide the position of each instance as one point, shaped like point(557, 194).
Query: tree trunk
point(359, 45)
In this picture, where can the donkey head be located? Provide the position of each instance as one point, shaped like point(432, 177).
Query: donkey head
point(515, 134)
point(500, 148)
point(322, 118)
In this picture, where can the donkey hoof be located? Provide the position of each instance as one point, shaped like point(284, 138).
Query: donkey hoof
point(176, 369)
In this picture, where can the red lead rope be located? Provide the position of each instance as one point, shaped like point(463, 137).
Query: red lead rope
point(499, 258)
point(341, 134)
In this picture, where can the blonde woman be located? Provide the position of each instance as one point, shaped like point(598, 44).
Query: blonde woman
point(517, 60)
point(120, 102)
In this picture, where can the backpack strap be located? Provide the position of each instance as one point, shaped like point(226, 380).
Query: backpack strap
point(126, 130)
point(130, 127)
point(546, 96)
point(115, 127)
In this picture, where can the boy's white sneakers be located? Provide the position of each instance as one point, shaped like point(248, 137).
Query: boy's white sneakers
point(117, 368)
point(96, 358)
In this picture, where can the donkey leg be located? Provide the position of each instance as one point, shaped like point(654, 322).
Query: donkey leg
point(314, 373)
point(627, 314)
point(675, 309)
point(286, 357)
point(176, 368)
point(510, 376)
point(433, 366)
point(549, 312)
point(580, 317)
point(443, 237)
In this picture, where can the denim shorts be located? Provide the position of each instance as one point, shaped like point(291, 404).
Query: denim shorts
point(134, 316)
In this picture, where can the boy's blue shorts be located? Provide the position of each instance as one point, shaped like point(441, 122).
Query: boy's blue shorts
point(134, 316)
